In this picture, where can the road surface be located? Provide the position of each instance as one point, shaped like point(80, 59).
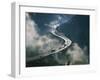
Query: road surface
point(67, 42)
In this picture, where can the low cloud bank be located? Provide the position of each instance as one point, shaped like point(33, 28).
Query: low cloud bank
point(37, 43)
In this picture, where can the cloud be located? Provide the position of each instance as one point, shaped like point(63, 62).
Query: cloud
point(37, 43)
point(31, 31)
point(59, 20)
point(53, 24)
point(77, 55)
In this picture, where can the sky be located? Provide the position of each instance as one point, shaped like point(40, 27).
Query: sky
point(74, 27)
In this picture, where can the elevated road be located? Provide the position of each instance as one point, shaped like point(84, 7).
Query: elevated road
point(67, 42)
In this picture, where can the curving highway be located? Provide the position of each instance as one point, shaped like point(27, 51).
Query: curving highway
point(67, 42)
